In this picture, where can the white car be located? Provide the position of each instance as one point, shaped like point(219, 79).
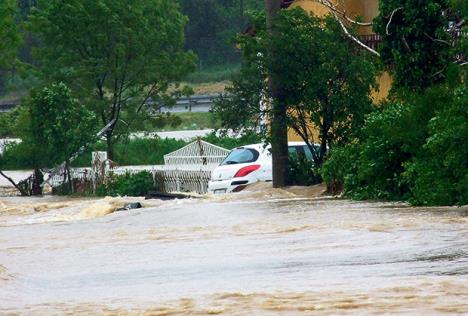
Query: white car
point(248, 164)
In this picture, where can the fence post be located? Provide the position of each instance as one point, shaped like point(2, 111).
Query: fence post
point(177, 180)
point(98, 168)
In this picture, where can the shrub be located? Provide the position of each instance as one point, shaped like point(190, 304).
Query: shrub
point(439, 175)
point(341, 163)
point(232, 142)
point(302, 172)
point(138, 184)
point(131, 152)
point(414, 152)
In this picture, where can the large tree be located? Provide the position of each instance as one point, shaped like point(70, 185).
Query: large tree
point(116, 54)
point(9, 38)
point(212, 27)
point(53, 126)
point(9, 34)
point(415, 43)
point(326, 81)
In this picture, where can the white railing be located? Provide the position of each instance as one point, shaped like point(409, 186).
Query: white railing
point(181, 178)
point(186, 170)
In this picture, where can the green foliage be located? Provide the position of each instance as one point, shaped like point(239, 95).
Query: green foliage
point(302, 172)
point(138, 184)
point(325, 80)
point(414, 152)
point(214, 74)
point(130, 152)
point(114, 53)
point(340, 167)
point(127, 152)
point(7, 124)
point(53, 126)
point(9, 33)
point(178, 121)
point(212, 27)
point(439, 175)
point(231, 142)
point(414, 42)
point(383, 152)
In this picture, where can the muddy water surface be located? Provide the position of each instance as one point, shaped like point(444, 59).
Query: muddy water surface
point(258, 253)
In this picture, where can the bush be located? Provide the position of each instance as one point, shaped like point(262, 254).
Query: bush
point(132, 152)
point(414, 152)
point(341, 163)
point(439, 175)
point(231, 142)
point(302, 172)
point(138, 184)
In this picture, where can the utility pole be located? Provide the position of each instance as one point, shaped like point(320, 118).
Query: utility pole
point(279, 129)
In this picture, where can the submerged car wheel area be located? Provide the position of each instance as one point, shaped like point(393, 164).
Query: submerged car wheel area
point(246, 165)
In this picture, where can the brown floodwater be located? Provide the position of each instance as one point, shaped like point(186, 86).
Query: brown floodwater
point(255, 253)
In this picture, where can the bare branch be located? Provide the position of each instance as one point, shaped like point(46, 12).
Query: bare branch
point(390, 20)
point(353, 37)
point(23, 193)
point(332, 7)
point(405, 42)
point(436, 39)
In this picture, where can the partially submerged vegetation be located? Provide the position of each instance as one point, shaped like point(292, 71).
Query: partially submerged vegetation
point(412, 146)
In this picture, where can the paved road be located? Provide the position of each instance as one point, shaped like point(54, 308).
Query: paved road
point(180, 135)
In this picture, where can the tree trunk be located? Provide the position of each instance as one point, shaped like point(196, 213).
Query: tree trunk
point(109, 146)
point(279, 129)
point(324, 140)
point(67, 171)
point(36, 182)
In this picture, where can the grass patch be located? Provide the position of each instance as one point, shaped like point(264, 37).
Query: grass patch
point(133, 152)
point(214, 74)
point(129, 152)
point(185, 121)
point(192, 121)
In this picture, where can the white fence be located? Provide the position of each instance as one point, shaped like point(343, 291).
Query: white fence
point(167, 178)
point(186, 170)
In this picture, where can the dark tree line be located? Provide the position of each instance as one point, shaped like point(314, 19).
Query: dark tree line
point(212, 28)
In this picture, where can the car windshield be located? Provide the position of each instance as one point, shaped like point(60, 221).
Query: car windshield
point(241, 155)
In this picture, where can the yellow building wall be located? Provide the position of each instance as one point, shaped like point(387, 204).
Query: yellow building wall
point(365, 10)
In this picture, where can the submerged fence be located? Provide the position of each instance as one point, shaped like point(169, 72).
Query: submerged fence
point(186, 170)
point(166, 178)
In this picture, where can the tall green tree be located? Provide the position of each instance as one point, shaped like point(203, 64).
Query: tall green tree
point(9, 33)
point(10, 38)
point(326, 81)
point(116, 54)
point(53, 126)
point(212, 28)
point(415, 43)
